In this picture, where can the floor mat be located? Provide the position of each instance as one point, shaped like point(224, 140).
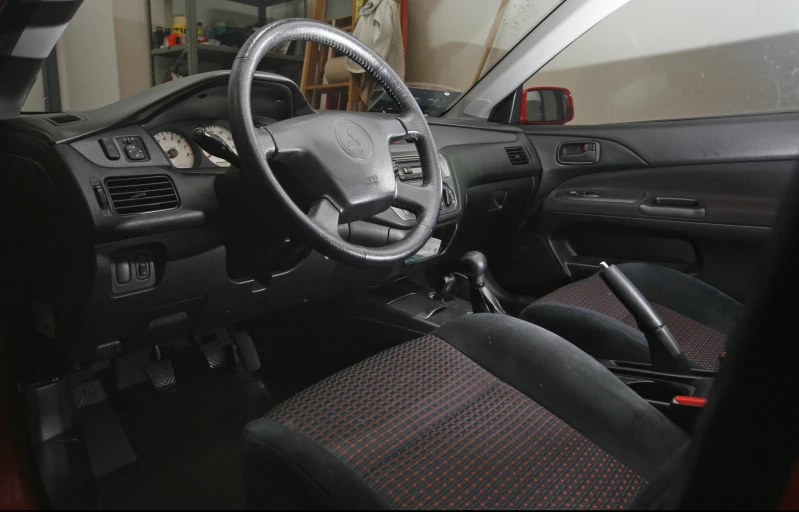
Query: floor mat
point(187, 440)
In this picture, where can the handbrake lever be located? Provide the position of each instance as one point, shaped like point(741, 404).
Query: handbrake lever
point(215, 146)
point(664, 352)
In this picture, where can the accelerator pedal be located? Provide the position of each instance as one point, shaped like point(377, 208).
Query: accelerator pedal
point(249, 354)
point(161, 373)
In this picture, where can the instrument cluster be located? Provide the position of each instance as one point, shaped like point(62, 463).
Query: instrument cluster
point(184, 154)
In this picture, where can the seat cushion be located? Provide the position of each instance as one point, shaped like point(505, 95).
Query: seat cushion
point(589, 315)
point(473, 416)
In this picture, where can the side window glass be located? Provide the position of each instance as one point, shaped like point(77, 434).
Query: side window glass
point(678, 59)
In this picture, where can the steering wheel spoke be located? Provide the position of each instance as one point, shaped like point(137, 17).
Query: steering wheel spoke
point(264, 142)
point(415, 198)
point(326, 216)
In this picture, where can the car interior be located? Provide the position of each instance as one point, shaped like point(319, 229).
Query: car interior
point(216, 296)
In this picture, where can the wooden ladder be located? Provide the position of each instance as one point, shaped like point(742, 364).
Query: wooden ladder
point(343, 95)
point(316, 57)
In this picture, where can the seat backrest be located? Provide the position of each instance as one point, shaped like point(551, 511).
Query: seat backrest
point(746, 442)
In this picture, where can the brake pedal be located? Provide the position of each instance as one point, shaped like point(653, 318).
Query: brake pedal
point(218, 348)
point(161, 375)
point(249, 353)
point(214, 352)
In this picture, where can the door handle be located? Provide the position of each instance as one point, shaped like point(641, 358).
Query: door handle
point(675, 207)
point(582, 153)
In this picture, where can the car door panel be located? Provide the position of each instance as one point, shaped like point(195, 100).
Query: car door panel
point(700, 196)
point(695, 141)
point(746, 194)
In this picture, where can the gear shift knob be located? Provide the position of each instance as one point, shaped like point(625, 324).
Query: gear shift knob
point(474, 265)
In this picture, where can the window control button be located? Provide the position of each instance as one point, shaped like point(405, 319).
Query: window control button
point(123, 270)
point(142, 267)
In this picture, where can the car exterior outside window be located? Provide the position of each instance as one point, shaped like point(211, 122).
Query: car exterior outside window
point(678, 59)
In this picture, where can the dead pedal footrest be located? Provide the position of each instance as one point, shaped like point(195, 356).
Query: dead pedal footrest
point(249, 354)
point(161, 375)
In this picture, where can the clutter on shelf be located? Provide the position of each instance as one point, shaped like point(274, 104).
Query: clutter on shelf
point(216, 33)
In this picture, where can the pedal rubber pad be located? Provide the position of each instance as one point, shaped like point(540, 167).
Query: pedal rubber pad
point(161, 375)
point(249, 353)
point(214, 352)
point(88, 393)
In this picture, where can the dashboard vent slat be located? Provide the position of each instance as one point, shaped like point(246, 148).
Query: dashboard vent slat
point(517, 155)
point(131, 195)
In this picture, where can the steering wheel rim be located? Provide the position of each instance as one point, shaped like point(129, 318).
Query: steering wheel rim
point(321, 145)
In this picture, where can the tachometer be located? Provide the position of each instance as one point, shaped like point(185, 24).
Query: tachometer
point(177, 149)
point(224, 134)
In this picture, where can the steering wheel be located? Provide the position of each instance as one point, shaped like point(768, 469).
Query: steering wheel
point(341, 159)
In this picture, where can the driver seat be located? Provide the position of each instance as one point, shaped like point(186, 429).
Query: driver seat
point(488, 411)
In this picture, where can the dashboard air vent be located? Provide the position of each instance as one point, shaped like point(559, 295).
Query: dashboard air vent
point(142, 194)
point(60, 119)
point(517, 155)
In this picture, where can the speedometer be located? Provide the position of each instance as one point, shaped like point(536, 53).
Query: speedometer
point(177, 149)
point(224, 134)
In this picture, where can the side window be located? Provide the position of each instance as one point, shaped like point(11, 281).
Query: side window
point(678, 59)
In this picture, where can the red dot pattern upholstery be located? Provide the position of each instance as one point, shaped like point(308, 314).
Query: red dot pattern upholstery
point(700, 343)
point(428, 428)
point(591, 293)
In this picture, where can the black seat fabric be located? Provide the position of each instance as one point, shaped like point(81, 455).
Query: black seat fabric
point(487, 412)
point(588, 314)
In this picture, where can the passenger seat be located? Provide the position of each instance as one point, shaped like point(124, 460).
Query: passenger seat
point(589, 315)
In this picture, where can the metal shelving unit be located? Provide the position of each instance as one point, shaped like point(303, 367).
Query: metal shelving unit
point(288, 65)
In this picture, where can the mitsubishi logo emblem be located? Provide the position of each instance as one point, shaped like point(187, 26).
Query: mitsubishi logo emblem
point(353, 140)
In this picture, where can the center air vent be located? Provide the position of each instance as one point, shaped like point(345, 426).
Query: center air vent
point(517, 155)
point(142, 194)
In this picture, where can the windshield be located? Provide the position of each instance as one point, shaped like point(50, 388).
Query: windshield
point(112, 50)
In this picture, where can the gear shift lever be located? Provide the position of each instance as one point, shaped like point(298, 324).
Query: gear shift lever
point(443, 293)
point(474, 265)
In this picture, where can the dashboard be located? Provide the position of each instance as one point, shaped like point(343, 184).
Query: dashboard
point(165, 241)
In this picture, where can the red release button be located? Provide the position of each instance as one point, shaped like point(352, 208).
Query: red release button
point(690, 400)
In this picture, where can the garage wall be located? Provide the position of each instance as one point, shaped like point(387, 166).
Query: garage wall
point(103, 54)
point(87, 58)
point(444, 53)
point(132, 34)
point(35, 100)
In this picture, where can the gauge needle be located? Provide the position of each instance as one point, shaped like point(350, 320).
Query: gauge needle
point(172, 153)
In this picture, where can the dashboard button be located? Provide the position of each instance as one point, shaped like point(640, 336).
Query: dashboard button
point(109, 148)
point(135, 152)
point(133, 148)
point(142, 267)
point(123, 270)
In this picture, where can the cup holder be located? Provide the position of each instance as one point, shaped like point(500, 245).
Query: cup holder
point(660, 391)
